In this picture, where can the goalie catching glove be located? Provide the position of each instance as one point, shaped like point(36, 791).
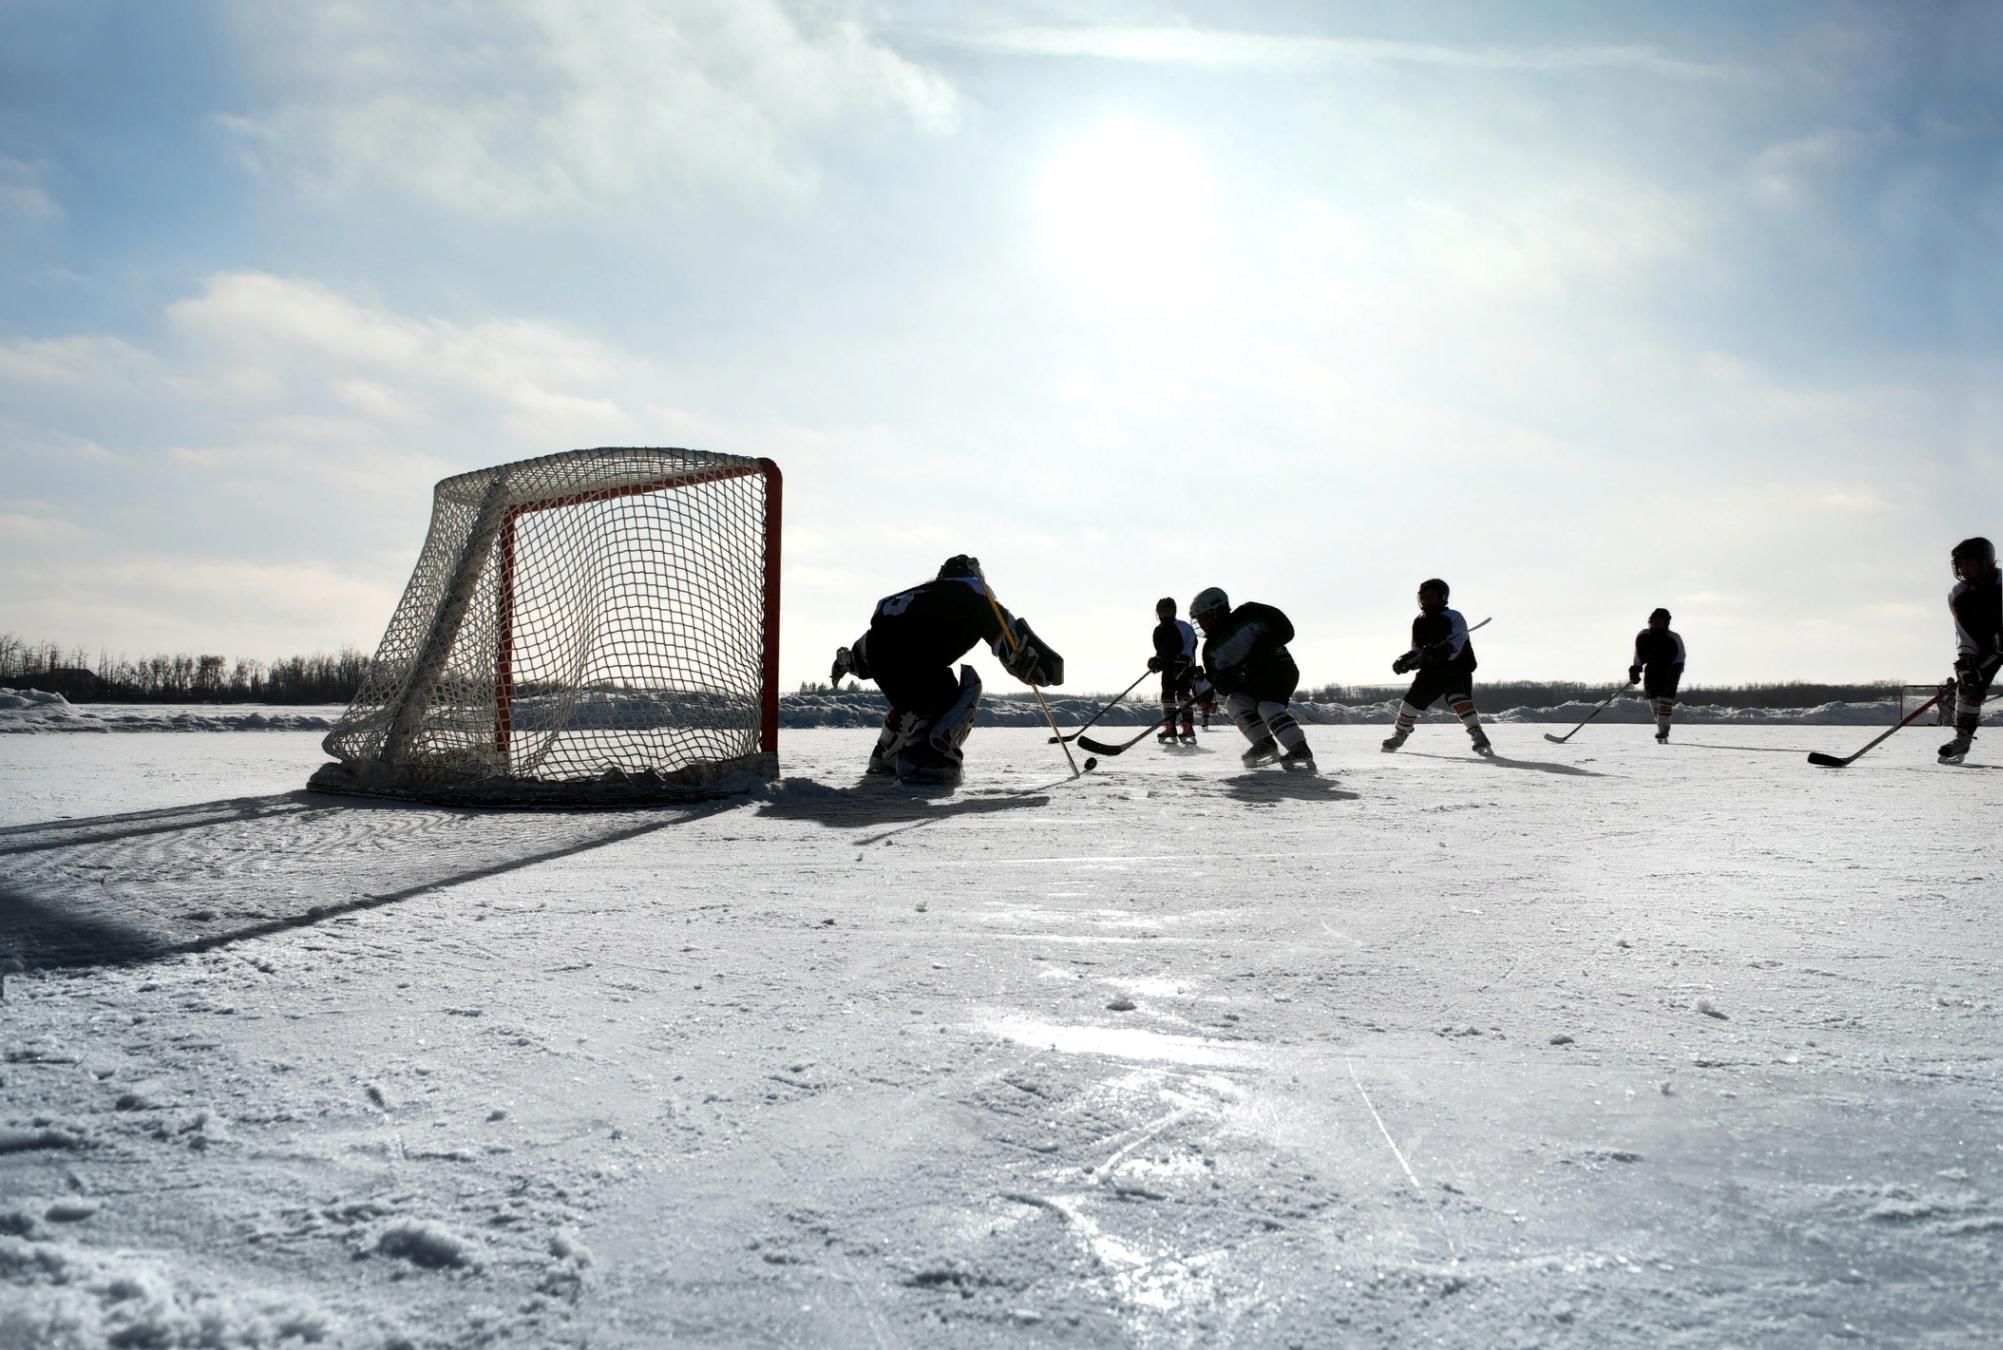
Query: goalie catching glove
point(1031, 659)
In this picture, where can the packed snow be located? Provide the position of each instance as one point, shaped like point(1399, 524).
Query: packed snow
point(1602, 1043)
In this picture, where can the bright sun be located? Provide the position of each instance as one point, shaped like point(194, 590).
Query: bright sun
point(1126, 209)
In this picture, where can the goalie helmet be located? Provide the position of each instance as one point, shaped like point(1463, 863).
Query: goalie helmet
point(1978, 548)
point(959, 565)
point(1209, 602)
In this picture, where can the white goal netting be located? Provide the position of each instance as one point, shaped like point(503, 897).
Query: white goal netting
point(597, 626)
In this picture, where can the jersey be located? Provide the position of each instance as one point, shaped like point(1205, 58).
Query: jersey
point(1247, 653)
point(1977, 607)
point(931, 625)
point(1175, 645)
point(1655, 651)
point(1440, 638)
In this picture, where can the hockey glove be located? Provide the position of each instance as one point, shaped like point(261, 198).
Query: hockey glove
point(1033, 661)
point(1401, 664)
point(1634, 674)
point(1154, 663)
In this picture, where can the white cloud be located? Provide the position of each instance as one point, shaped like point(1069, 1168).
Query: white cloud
point(1289, 52)
point(22, 194)
point(548, 106)
point(71, 361)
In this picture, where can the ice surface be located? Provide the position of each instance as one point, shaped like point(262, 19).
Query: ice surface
point(1596, 1044)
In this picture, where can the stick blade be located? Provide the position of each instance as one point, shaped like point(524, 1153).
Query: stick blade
point(1826, 761)
point(1555, 740)
point(1098, 747)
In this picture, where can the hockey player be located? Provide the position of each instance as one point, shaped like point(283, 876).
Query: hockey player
point(1977, 604)
point(1175, 658)
point(1444, 658)
point(913, 639)
point(1245, 657)
point(1659, 653)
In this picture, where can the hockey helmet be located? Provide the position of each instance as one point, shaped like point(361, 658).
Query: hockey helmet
point(1435, 584)
point(1978, 548)
point(1166, 607)
point(1209, 602)
point(1658, 613)
point(959, 565)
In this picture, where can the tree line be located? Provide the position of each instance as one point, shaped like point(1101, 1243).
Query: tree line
point(179, 678)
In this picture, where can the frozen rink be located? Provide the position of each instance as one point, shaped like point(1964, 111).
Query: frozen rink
point(1599, 1044)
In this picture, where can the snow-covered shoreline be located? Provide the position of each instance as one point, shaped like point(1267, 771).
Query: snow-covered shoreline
point(33, 711)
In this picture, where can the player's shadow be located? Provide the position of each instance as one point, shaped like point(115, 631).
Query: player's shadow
point(1502, 761)
point(1752, 749)
point(124, 889)
point(1286, 787)
point(879, 801)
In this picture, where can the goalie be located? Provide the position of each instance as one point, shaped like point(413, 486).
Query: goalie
point(914, 638)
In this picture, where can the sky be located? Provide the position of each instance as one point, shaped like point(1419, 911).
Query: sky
point(1587, 308)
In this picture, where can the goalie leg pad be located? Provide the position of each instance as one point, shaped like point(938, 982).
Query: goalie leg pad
point(950, 729)
point(896, 734)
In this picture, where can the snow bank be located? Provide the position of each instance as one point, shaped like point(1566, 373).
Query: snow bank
point(32, 710)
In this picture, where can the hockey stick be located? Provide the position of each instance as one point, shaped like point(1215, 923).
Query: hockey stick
point(1560, 740)
point(1072, 736)
point(1834, 762)
point(1013, 646)
point(1101, 748)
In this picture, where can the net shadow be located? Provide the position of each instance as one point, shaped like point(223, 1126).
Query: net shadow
point(122, 890)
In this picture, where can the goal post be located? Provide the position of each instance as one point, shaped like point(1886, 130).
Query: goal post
point(592, 627)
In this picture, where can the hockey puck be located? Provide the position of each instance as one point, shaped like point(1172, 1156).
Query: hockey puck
point(1090, 764)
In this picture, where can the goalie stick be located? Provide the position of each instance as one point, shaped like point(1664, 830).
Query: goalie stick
point(1560, 740)
point(1008, 635)
point(1074, 735)
point(1835, 762)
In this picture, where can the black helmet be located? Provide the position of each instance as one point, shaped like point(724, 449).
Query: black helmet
point(1977, 548)
point(1658, 613)
point(1209, 600)
point(1435, 584)
point(1167, 602)
point(959, 565)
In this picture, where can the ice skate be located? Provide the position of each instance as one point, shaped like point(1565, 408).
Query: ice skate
point(1662, 736)
point(1478, 742)
point(881, 765)
point(1300, 759)
point(1396, 739)
point(1188, 736)
point(1165, 737)
point(1957, 749)
point(1263, 751)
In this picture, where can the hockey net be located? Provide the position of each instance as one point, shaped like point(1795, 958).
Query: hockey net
point(1913, 697)
point(593, 627)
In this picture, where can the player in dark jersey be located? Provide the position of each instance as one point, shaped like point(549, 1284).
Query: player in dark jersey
point(1444, 658)
point(1658, 669)
point(1977, 604)
point(913, 639)
point(1175, 658)
point(1245, 657)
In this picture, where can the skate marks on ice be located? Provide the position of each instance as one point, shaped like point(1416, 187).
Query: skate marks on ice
point(120, 889)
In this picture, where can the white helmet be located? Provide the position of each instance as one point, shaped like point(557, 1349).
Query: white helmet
point(1209, 600)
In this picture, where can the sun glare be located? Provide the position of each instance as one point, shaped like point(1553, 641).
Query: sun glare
point(1127, 210)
